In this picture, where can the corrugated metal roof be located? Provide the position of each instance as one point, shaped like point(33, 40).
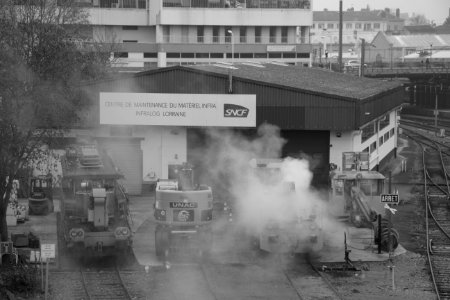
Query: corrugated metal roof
point(309, 80)
point(419, 40)
point(362, 16)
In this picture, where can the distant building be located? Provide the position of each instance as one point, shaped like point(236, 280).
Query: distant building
point(395, 48)
point(356, 24)
point(419, 29)
point(443, 29)
point(159, 33)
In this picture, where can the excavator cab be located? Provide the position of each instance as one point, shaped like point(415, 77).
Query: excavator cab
point(40, 199)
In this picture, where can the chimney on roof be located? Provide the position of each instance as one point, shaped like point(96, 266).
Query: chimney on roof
point(397, 12)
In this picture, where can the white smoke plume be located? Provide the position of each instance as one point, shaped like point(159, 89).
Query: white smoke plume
point(256, 196)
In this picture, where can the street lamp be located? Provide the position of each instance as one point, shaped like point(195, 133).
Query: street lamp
point(232, 46)
point(431, 52)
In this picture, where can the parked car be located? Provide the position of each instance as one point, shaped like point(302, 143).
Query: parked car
point(353, 64)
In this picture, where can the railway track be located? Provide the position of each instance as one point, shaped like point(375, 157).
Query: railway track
point(425, 122)
point(309, 282)
point(94, 284)
point(104, 285)
point(437, 207)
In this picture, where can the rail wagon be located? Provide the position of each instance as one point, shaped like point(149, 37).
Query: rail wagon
point(94, 206)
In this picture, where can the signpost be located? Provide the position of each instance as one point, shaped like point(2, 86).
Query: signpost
point(47, 252)
point(389, 198)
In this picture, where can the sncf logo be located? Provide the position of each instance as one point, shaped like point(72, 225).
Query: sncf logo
point(235, 111)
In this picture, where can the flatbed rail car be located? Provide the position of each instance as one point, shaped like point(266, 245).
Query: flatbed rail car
point(94, 205)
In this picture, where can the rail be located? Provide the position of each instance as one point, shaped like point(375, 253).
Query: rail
point(436, 216)
point(104, 285)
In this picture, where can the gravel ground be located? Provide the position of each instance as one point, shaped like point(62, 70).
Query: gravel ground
point(375, 281)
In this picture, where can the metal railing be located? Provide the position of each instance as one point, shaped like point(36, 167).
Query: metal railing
point(282, 4)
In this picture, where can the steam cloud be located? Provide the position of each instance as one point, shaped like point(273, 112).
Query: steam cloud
point(258, 199)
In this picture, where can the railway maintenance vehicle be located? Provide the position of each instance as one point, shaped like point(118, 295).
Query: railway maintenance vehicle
point(183, 212)
point(356, 195)
point(94, 207)
point(299, 230)
point(40, 200)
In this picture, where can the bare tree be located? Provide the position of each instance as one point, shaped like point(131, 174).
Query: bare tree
point(41, 65)
point(447, 22)
point(418, 20)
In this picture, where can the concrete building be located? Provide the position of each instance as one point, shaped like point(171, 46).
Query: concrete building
point(395, 49)
point(357, 25)
point(159, 33)
point(150, 124)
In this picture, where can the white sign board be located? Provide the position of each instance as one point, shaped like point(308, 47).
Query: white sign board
point(178, 109)
point(389, 198)
point(47, 251)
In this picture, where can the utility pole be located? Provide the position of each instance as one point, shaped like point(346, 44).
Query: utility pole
point(340, 37)
point(363, 51)
point(436, 112)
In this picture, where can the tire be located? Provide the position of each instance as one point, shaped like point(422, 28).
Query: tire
point(158, 243)
point(161, 242)
point(385, 238)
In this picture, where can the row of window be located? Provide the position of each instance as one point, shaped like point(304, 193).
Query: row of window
point(364, 26)
point(141, 4)
point(237, 36)
point(369, 130)
point(383, 139)
point(217, 55)
point(303, 4)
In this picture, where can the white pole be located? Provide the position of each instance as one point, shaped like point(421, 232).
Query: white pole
point(232, 46)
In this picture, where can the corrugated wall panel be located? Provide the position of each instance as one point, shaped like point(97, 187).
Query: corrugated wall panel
point(330, 118)
point(378, 106)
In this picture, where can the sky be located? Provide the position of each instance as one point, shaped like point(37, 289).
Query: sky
point(434, 10)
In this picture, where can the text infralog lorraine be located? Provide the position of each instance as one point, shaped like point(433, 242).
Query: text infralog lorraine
point(161, 105)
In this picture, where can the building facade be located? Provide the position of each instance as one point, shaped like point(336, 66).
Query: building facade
point(159, 33)
point(150, 124)
point(357, 25)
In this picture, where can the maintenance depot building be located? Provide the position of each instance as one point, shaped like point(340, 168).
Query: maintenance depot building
point(153, 121)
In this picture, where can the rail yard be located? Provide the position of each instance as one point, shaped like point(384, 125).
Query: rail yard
point(350, 264)
point(254, 273)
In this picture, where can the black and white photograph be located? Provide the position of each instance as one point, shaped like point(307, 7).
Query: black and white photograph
point(224, 149)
